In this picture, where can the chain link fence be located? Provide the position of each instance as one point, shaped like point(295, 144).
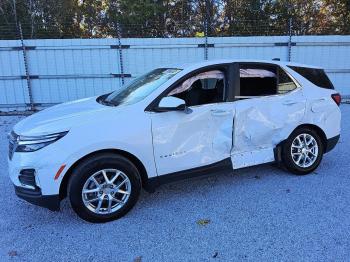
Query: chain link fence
point(168, 29)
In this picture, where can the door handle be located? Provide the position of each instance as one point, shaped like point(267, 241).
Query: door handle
point(219, 112)
point(290, 102)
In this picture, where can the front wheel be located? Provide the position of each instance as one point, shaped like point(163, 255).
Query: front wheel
point(104, 187)
point(302, 152)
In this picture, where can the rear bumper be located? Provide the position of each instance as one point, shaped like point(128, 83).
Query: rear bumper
point(331, 143)
point(35, 197)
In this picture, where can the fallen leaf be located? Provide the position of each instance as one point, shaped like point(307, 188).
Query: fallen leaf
point(137, 259)
point(203, 222)
point(13, 253)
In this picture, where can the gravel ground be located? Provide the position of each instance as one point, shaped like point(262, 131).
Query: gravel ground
point(253, 214)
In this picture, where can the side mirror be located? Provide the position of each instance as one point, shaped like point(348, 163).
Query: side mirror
point(170, 103)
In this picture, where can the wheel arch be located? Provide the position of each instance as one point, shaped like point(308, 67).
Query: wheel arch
point(139, 165)
point(318, 130)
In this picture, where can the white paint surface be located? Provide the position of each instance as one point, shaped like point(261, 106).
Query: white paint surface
point(167, 142)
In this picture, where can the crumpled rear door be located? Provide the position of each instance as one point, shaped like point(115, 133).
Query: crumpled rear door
point(262, 123)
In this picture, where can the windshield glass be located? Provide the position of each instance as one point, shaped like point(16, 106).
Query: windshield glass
point(141, 87)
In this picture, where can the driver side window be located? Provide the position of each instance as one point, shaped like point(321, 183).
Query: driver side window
point(204, 88)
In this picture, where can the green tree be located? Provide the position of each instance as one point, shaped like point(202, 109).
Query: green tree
point(137, 18)
point(245, 17)
point(171, 18)
point(339, 20)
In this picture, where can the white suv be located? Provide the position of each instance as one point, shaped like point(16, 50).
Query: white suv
point(173, 123)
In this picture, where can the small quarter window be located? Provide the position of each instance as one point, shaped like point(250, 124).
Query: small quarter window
point(285, 83)
point(314, 75)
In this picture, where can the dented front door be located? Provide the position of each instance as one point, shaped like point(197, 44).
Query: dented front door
point(263, 122)
point(184, 141)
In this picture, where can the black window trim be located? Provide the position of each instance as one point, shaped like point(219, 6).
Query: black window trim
point(152, 107)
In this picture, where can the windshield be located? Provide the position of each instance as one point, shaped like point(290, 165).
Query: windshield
point(141, 87)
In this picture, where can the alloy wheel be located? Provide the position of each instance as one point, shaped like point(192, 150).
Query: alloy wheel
point(304, 150)
point(106, 191)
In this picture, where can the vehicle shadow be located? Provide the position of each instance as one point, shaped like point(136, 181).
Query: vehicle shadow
point(181, 195)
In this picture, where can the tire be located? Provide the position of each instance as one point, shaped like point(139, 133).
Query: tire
point(291, 152)
point(90, 176)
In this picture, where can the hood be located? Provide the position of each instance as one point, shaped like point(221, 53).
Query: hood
point(60, 118)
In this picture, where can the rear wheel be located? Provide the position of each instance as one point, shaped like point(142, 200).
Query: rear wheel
point(104, 187)
point(302, 152)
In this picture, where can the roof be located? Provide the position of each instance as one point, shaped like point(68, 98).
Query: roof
point(192, 66)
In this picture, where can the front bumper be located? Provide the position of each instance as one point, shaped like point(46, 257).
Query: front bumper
point(33, 176)
point(45, 165)
point(35, 197)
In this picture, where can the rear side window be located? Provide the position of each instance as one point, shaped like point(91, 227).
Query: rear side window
point(314, 75)
point(257, 80)
point(263, 80)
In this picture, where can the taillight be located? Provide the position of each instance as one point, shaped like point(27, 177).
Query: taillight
point(337, 98)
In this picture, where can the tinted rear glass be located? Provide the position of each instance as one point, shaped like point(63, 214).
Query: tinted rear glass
point(314, 75)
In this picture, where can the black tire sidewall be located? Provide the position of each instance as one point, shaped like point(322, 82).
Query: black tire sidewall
point(92, 165)
point(287, 157)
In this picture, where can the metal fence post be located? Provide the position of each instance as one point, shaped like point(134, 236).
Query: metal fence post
point(26, 68)
point(121, 61)
point(206, 32)
point(205, 39)
point(290, 27)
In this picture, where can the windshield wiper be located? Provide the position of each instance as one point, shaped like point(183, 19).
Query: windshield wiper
point(102, 100)
point(108, 103)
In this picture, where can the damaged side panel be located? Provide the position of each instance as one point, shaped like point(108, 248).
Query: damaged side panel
point(184, 141)
point(262, 123)
point(323, 111)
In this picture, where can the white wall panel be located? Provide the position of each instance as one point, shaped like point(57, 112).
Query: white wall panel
point(68, 69)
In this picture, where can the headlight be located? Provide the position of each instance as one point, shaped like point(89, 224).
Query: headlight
point(34, 143)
